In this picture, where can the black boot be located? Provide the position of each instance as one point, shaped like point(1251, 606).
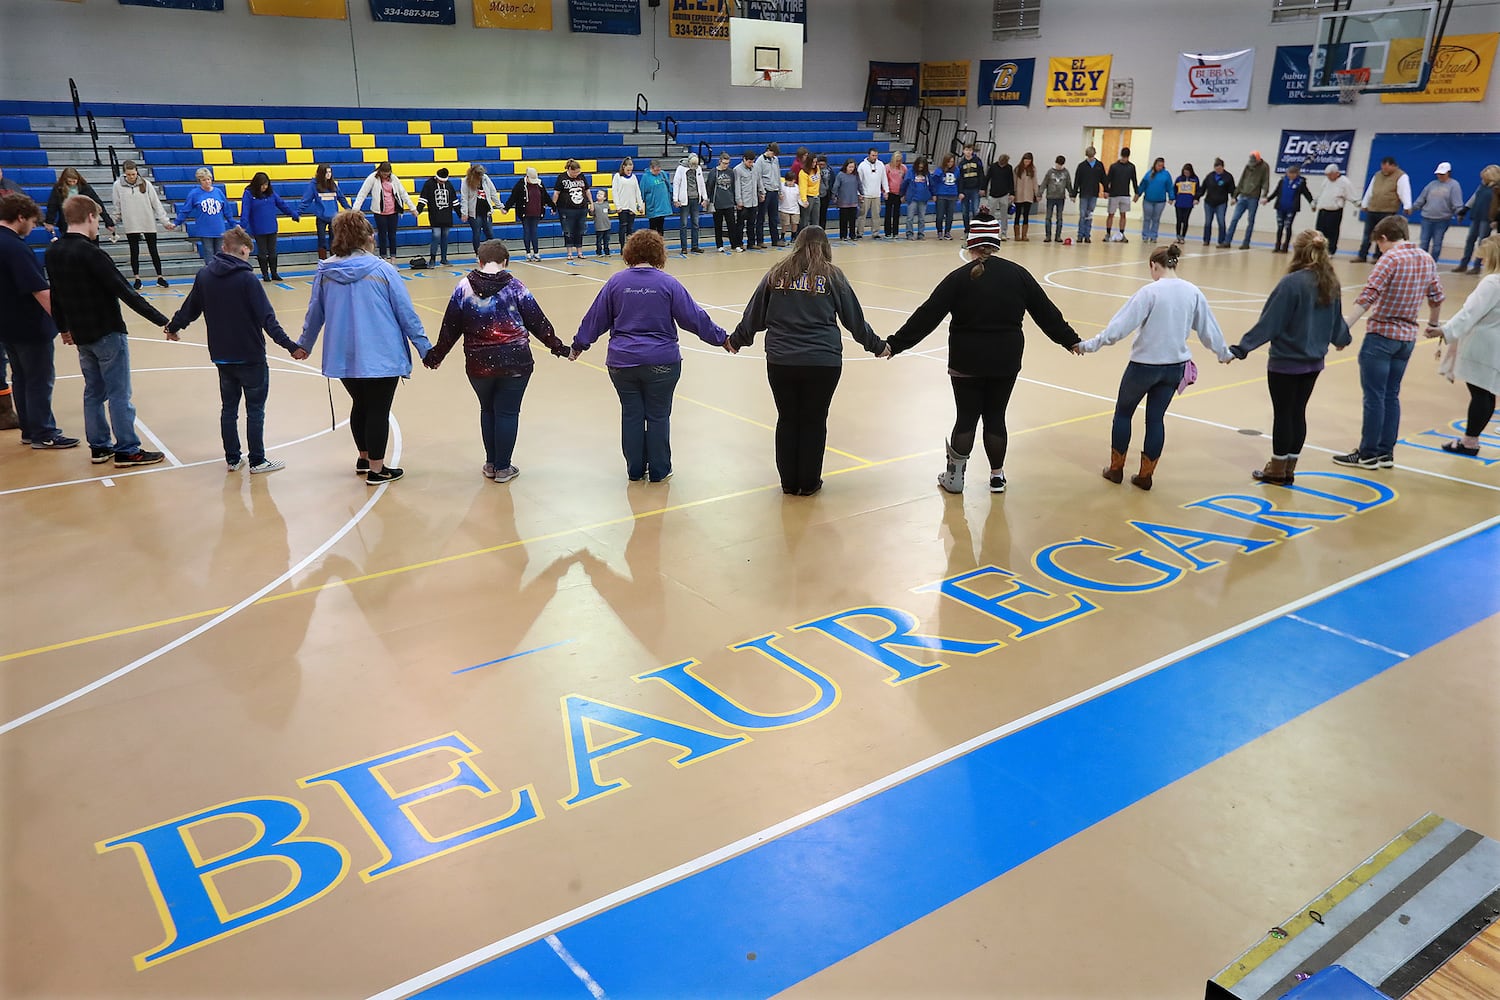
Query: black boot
point(275, 273)
point(265, 267)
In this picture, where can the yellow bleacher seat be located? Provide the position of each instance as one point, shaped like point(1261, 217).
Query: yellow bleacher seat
point(361, 141)
point(299, 156)
point(445, 155)
point(208, 141)
point(217, 157)
point(228, 126)
point(430, 141)
point(510, 153)
point(351, 127)
point(497, 139)
point(286, 140)
point(553, 166)
point(418, 128)
point(527, 128)
point(377, 155)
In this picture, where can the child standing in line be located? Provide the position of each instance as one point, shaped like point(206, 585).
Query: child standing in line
point(1186, 195)
point(1290, 188)
point(1056, 188)
point(791, 207)
point(945, 190)
point(916, 191)
point(601, 223)
point(846, 200)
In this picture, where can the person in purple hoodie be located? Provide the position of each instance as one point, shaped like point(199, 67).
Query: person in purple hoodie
point(642, 307)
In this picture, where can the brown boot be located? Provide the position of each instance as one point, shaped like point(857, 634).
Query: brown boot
point(1143, 479)
point(1291, 469)
point(1116, 471)
point(8, 419)
point(1274, 473)
point(1025, 232)
point(322, 253)
point(1015, 231)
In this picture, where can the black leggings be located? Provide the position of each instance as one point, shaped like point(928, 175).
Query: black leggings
point(1183, 214)
point(892, 214)
point(1289, 396)
point(803, 394)
point(1481, 409)
point(848, 224)
point(134, 240)
point(1023, 217)
point(985, 398)
point(370, 413)
point(265, 252)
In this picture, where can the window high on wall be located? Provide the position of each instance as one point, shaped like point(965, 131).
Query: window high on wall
point(1016, 17)
point(1291, 10)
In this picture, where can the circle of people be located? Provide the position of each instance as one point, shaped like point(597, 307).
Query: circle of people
point(361, 308)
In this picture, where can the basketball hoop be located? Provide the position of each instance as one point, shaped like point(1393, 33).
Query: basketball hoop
point(1352, 83)
point(778, 78)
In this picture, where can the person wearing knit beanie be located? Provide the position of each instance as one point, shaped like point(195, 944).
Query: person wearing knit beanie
point(984, 231)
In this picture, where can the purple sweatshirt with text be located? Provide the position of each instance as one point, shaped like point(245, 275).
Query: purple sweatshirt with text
point(642, 307)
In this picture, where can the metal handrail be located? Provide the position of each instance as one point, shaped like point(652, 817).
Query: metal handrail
point(669, 133)
point(642, 107)
point(924, 129)
point(705, 152)
point(114, 163)
point(73, 89)
point(94, 138)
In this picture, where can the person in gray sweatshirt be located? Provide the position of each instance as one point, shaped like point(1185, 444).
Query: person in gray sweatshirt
point(1057, 186)
point(800, 304)
point(1439, 202)
point(1300, 319)
point(768, 173)
point(747, 199)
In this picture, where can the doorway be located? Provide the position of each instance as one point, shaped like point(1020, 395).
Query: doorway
point(1109, 141)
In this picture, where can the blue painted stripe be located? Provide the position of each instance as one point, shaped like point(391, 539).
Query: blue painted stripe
point(821, 893)
point(513, 656)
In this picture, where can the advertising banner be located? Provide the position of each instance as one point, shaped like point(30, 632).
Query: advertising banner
point(1290, 74)
point(328, 10)
point(701, 19)
point(1460, 69)
point(1314, 152)
point(605, 17)
point(1213, 82)
point(788, 11)
point(524, 15)
point(893, 85)
point(177, 4)
point(1077, 81)
point(1006, 82)
point(946, 84)
point(414, 11)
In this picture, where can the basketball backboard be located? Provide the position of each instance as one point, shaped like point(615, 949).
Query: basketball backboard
point(1395, 44)
point(760, 51)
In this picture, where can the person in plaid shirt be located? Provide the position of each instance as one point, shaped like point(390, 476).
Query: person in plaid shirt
point(1402, 278)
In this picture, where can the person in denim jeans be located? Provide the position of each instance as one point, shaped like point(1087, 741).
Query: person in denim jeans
point(641, 308)
point(1439, 202)
point(1254, 184)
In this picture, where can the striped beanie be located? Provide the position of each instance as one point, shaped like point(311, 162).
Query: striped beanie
point(984, 231)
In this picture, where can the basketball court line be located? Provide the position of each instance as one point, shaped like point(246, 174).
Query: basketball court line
point(150, 435)
point(710, 859)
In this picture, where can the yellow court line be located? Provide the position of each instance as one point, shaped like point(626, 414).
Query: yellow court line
point(1253, 381)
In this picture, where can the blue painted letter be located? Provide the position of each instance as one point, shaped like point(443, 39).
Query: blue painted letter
point(1046, 562)
point(998, 605)
point(713, 701)
point(901, 625)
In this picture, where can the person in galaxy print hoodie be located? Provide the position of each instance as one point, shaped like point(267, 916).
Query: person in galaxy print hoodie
point(496, 316)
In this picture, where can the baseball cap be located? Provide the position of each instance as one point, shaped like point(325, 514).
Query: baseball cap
point(1444, 168)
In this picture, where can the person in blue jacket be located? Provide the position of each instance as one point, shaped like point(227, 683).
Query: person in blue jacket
point(656, 192)
point(212, 213)
point(323, 198)
point(1288, 190)
point(945, 190)
point(259, 208)
point(362, 303)
point(916, 192)
point(1155, 188)
point(1188, 189)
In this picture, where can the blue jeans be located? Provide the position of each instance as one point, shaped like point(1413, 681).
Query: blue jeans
point(499, 414)
point(943, 219)
point(1156, 384)
point(1478, 230)
point(1054, 214)
point(528, 235)
point(1086, 205)
point(479, 226)
point(573, 221)
point(1246, 203)
point(917, 210)
point(321, 225)
point(1210, 213)
point(767, 223)
point(439, 240)
point(1433, 231)
point(32, 378)
point(208, 246)
point(687, 221)
point(970, 201)
point(645, 393)
point(1151, 219)
point(1382, 363)
point(106, 383)
point(253, 380)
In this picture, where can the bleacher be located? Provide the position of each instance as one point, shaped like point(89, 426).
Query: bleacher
point(172, 142)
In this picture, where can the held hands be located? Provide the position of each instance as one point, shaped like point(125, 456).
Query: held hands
point(300, 354)
point(729, 346)
point(170, 334)
point(1078, 349)
point(67, 338)
point(886, 353)
point(574, 354)
point(1433, 329)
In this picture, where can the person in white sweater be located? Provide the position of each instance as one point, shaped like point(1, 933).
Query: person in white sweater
point(1166, 312)
point(388, 200)
point(1475, 335)
point(140, 211)
point(625, 191)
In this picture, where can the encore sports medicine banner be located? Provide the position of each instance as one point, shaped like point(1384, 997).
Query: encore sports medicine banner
point(414, 11)
point(605, 17)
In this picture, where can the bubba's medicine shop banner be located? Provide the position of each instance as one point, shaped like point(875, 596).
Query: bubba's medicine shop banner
point(1213, 82)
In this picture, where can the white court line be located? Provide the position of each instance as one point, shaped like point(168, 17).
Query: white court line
point(222, 616)
point(150, 435)
point(578, 970)
point(705, 861)
point(1352, 638)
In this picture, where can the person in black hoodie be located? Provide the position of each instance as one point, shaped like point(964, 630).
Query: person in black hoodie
point(1002, 188)
point(238, 316)
point(438, 199)
point(1218, 187)
point(988, 298)
point(1088, 181)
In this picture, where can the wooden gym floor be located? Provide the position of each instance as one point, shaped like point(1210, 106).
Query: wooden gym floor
point(231, 704)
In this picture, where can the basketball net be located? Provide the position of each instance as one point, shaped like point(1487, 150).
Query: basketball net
point(1352, 83)
point(778, 78)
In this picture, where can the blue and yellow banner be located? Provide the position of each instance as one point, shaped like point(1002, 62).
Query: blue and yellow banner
point(702, 19)
point(327, 10)
point(1291, 73)
point(1460, 69)
point(1006, 82)
point(414, 11)
point(523, 15)
point(605, 17)
point(1078, 81)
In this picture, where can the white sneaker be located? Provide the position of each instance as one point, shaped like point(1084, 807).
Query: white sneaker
point(506, 474)
point(236, 466)
point(269, 465)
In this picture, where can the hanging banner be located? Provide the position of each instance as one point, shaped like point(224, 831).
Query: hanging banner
point(893, 85)
point(788, 11)
point(701, 19)
point(945, 84)
point(1314, 152)
point(1460, 69)
point(605, 17)
point(1006, 82)
point(1078, 81)
point(1213, 82)
point(1290, 73)
point(327, 10)
point(414, 11)
point(176, 4)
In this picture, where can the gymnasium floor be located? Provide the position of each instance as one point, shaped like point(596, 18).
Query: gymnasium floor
point(1195, 733)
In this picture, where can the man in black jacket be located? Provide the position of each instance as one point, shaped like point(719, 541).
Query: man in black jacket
point(1216, 190)
point(1088, 181)
point(26, 330)
point(1122, 183)
point(87, 290)
point(238, 315)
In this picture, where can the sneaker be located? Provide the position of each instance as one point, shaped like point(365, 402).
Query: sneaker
point(997, 482)
point(236, 465)
point(1244, 246)
point(1353, 461)
point(269, 465)
point(1474, 270)
point(385, 475)
point(876, 235)
point(663, 478)
point(1461, 269)
point(727, 251)
point(1121, 239)
point(56, 442)
point(739, 249)
point(697, 250)
point(126, 460)
point(1088, 239)
point(812, 492)
point(1385, 461)
point(162, 281)
point(137, 283)
point(506, 474)
point(361, 466)
point(96, 455)
point(1361, 259)
point(488, 471)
